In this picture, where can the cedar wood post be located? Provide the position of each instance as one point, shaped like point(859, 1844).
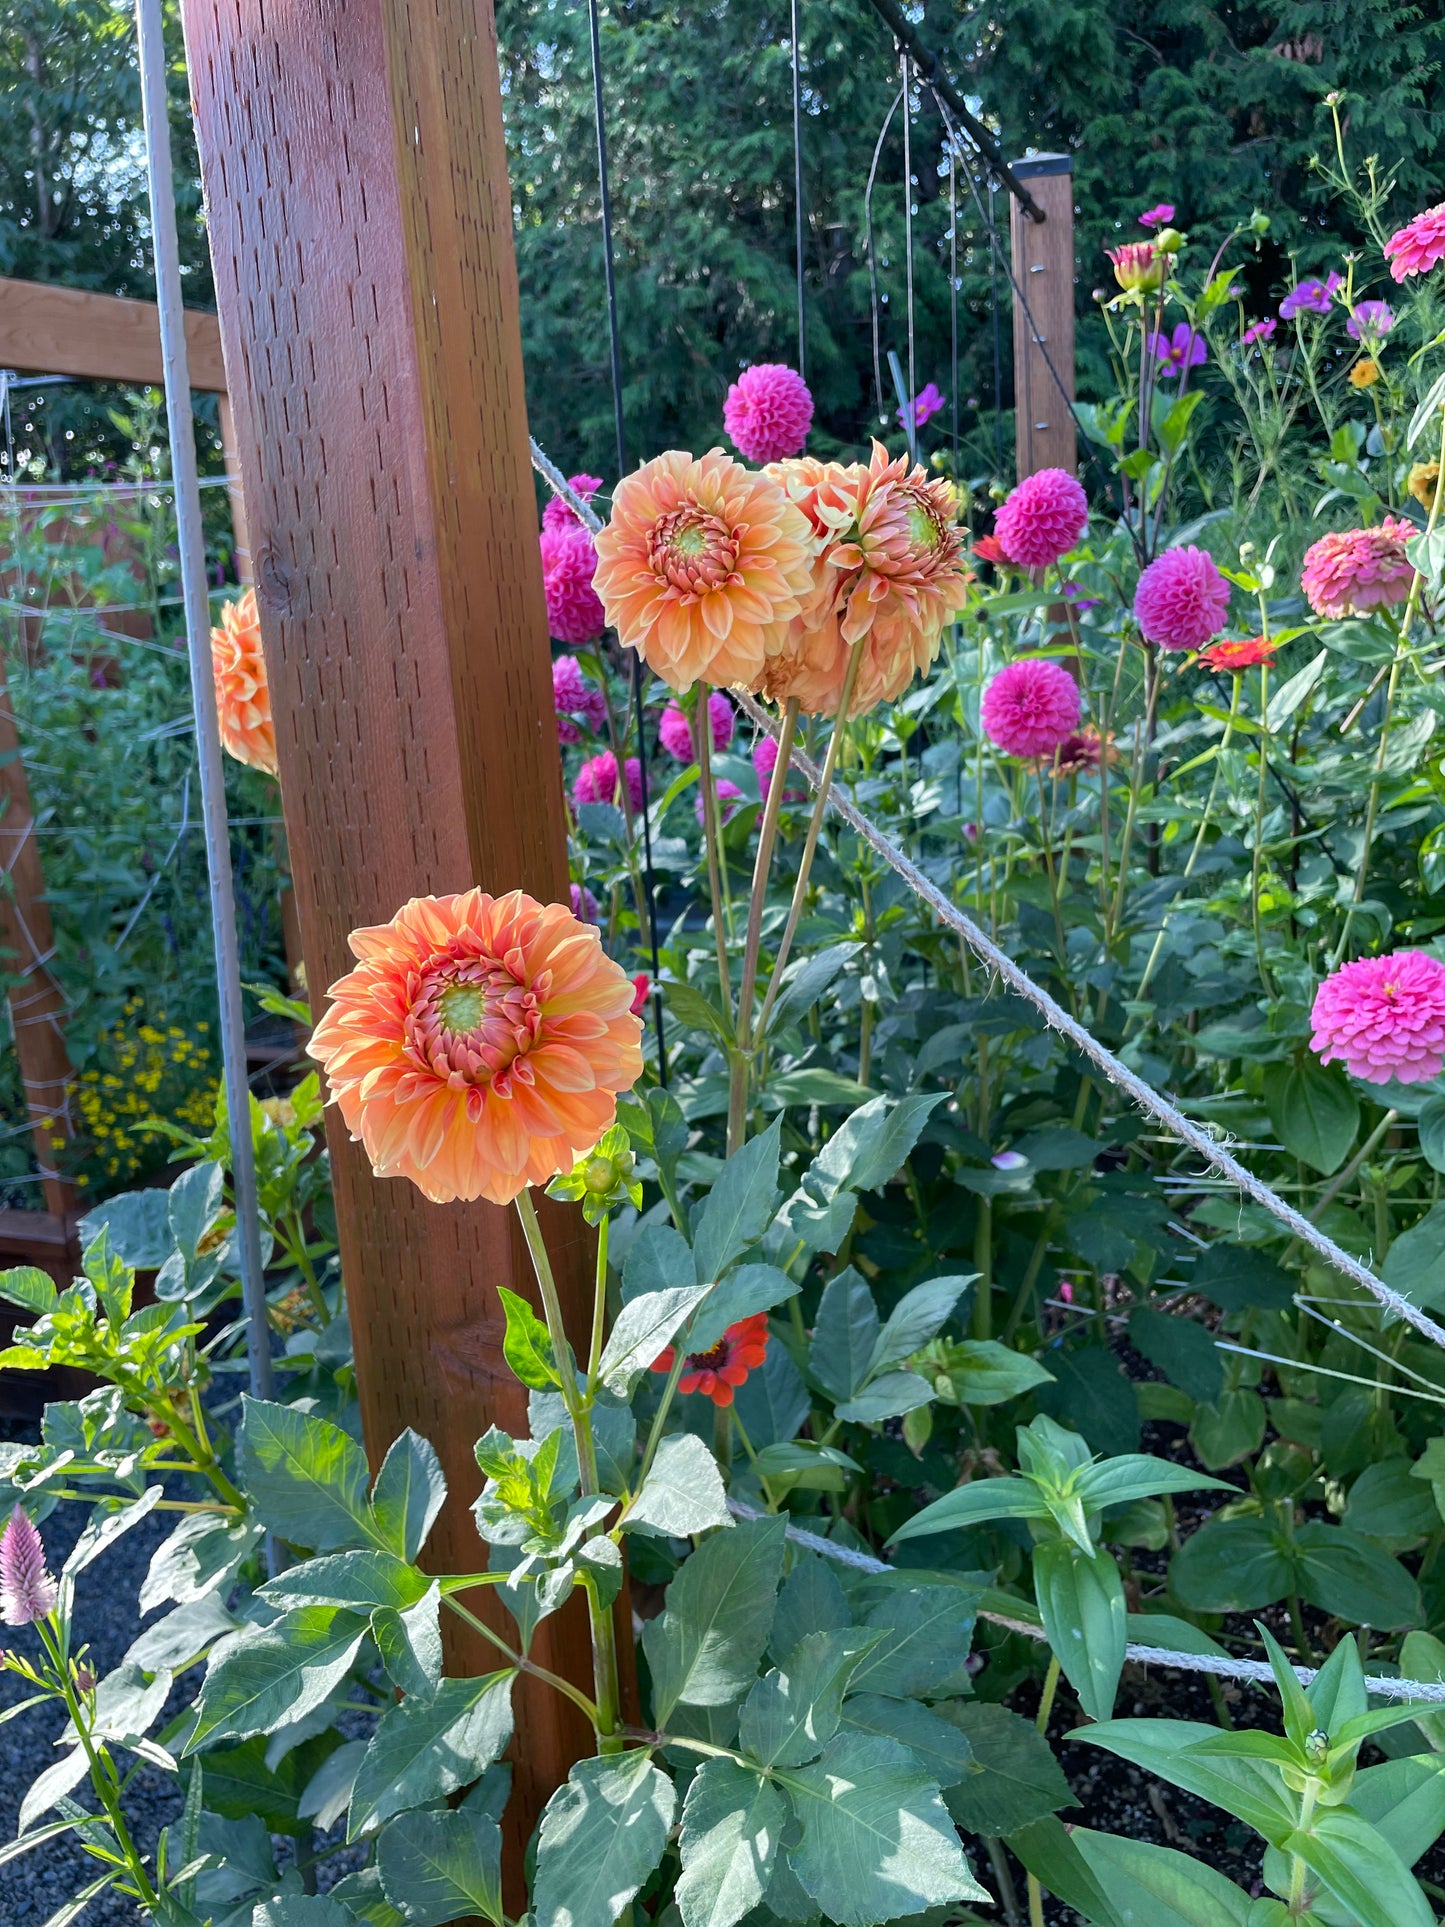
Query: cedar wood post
point(1043, 266)
point(360, 222)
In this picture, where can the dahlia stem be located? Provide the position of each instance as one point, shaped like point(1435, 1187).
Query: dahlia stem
point(815, 825)
point(702, 728)
point(741, 1066)
point(1256, 860)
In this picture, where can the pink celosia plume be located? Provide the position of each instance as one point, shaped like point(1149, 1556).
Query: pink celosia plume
point(1182, 600)
point(768, 412)
point(1351, 571)
point(1383, 1018)
point(1043, 519)
point(1031, 707)
point(27, 1591)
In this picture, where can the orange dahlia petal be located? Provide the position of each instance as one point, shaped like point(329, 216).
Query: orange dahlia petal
point(243, 697)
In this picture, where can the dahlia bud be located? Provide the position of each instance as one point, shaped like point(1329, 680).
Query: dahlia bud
point(1169, 240)
point(604, 1180)
point(1138, 267)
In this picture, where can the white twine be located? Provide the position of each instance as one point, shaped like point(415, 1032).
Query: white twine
point(1254, 1670)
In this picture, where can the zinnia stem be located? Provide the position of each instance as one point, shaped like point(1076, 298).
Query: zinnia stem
point(702, 728)
point(741, 1066)
point(815, 825)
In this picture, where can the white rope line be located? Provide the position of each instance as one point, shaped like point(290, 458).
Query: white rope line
point(1254, 1670)
point(1054, 1014)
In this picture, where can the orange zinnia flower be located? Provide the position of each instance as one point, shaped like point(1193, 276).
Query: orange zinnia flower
point(702, 567)
point(1231, 654)
point(243, 701)
point(480, 1043)
point(716, 1373)
point(890, 573)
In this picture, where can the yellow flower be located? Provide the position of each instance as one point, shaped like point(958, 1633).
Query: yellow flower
point(1365, 373)
point(1422, 483)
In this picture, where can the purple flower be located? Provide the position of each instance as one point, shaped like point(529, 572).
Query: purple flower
point(1008, 1160)
point(1310, 297)
point(1259, 331)
point(27, 1591)
point(1073, 593)
point(1160, 216)
point(1183, 349)
point(926, 404)
point(1371, 319)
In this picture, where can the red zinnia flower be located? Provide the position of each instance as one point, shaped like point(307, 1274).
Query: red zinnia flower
point(1242, 654)
point(718, 1372)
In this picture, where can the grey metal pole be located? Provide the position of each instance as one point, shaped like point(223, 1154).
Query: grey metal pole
point(203, 701)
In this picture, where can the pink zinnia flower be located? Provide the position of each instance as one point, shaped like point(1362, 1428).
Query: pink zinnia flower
point(1259, 331)
point(1351, 571)
point(597, 781)
point(1383, 1018)
point(926, 404)
point(674, 732)
point(765, 761)
point(1416, 247)
point(988, 548)
point(768, 412)
point(1182, 599)
point(1160, 216)
point(561, 515)
point(27, 1591)
point(584, 904)
point(569, 562)
point(1043, 518)
point(1031, 707)
point(574, 695)
point(728, 798)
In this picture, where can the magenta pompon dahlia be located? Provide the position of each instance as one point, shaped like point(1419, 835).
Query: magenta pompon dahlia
point(597, 781)
point(27, 1591)
point(1182, 601)
point(728, 798)
point(1383, 1018)
point(559, 514)
point(768, 412)
point(1031, 708)
point(765, 761)
point(569, 562)
point(1043, 519)
point(674, 731)
point(573, 694)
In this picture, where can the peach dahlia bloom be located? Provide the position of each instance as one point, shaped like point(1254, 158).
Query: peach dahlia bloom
point(702, 567)
point(480, 1043)
point(243, 700)
point(890, 573)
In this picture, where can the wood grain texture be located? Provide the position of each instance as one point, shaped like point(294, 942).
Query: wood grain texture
point(361, 233)
point(47, 330)
point(1043, 266)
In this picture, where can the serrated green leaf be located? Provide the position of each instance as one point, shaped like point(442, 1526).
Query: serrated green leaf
point(740, 1205)
point(683, 1493)
point(439, 1867)
point(845, 1335)
point(1015, 1778)
point(601, 1836)
point(274, 1676)
point(940, 1748)
point(793, 1711)
point(360, 1579)
point(703, 1649)
point(305, 1477)
point(731, 1823)
point(527, 1344)
point(424, 1749)
point(409, 1491)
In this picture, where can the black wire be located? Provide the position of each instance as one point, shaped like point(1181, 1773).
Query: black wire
point(993, 259)
point(912, 396)
point(798, 223)
point(619, 424)
point(953, 298)
point(872, 253)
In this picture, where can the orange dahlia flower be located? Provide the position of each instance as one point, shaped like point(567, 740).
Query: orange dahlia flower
point(480, 1043)
point(890, 573)
point(702, 567)
point(243, 701)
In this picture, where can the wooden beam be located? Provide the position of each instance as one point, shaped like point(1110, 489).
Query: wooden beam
point(46, 330)
point(1043, 266)
point(360, 222)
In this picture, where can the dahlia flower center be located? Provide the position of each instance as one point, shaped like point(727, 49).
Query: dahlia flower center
point(472, 1020)
point(693, 551)
point(923, 526)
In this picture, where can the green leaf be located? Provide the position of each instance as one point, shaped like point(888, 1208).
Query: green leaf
point(683, 1492)
point(1415, 1262)
point(1404, 1800)
point(1422, 1656)
point(30, 1288)
point(643, 1330)
point(424, 1749)
point(697, 1012)
point(976, 1503)
point(1182, 1350)
point(1388, 1503)
point(1157, 1885)
point(812, 1084)
point(192, 1204)
point(1349, 1576)
point(601, 1836)
point(918, 1316)
point(1232, 1565)
point(983, 1372)
point(877, 1840)
point(1015, 1778)
point(1314, 1111)
point(1046, 1848)
point(1249, 1789)
point(303, 1910)
point(305, 1477)
point(408, 1494)
point(1431, 1126)
point(1238, 1279)
point(1138, 1475)
point(658, 1259)
point(1429, 407)
point(324, 1797)
point(939, 1748)
point(439, 1867)
point(793, 1711)
point(889, 1395)
point(927, 1635)
point(739, 1207)
point(747, 1290)
point(360, 1580)
point(527, 1344)
point(1231, 1429)
point(802, 1464)
point(731, 1824)
point(1361, 1870)
point(845, 1335)
point(1285, 700)
point(410, 1642)
point(274, 1676)
point(807, 982)
point(1091, 1393)
point(1082, 1604)
point(703, 1650)
point(811, 1601)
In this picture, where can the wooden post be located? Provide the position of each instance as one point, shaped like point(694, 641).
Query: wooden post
point(36, 1002)
point(360, 222)
point(1043, 266)
point(241, 554)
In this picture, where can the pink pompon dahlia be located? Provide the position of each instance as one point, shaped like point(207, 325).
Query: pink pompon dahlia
point(1416, 247)
point(1383, 1018)
point(479, 1045)
point(559, 514)
point(575, 695)
point(1351, 571)
point(1031, 708)
point(27, 1591)
point(765, 761)
point(597, 781)
point(569, 562)
point(674, 731)
point(728, 798)
point(768, 412)
point(703, 567)
point(1043, 518)
point(1182, 600)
